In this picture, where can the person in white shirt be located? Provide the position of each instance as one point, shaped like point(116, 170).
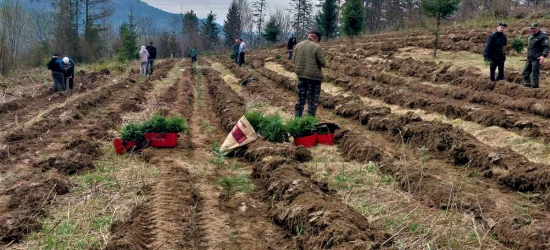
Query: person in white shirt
point(242, 50)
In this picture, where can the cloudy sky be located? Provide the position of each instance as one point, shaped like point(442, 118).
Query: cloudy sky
point(202, 7)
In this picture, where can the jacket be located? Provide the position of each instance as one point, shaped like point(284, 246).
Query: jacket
point(538, 46)
point(242, 47)
point(494, 49)
point(69, 68)
point(236, 49)
point(56, 65)
point(194, 53)
point(143, 55)
point(309, 59)
point(152, 52)
point(291, 43)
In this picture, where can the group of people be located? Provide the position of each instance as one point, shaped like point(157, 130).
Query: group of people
point(239, 50)
point(537, 52)
point(62, 72)
point(147, 56)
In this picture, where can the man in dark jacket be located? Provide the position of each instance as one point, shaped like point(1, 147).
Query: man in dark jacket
point(152, 56)
point(290, 46)
point(537, 52)
point(69, 66)
point(309, 60)
point(56, 66)
point(495, 53)
point(236, 50)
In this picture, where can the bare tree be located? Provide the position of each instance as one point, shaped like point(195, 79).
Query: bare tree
point(12, 25)
point(284, 19)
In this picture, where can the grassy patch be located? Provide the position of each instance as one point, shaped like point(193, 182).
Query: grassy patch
point(81, 219)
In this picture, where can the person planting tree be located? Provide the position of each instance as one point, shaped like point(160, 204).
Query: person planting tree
point(537, 52)
point(309, 60)
point(495, 54)
point(58, 72)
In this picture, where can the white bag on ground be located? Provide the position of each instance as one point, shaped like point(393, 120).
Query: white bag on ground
point(242, 134)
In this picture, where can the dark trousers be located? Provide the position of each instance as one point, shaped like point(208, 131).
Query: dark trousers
point(309, 90)
point(241, 59)
point(493, 67)
point(531, 73)
point(70, 79)
point(290, 54)
point(58, 81)
point(151, 66)
point(193, 59)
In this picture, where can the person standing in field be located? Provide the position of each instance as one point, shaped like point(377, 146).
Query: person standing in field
point(58, 72)
point(242, 50)
point(290, 46)
point(152, 56)
point(194, 56)
point(144, 60)
point(537, 52)
point(69, 67)
point(236, 50)
point(309, 60)
point(495, 54)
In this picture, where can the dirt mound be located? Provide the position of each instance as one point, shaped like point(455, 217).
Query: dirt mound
point(227, 104)
point(356, 147)
point(27, 206)
point(68, 163)
point(261, 149)
point(100, 128)
point(85, 146)
point(303, 206)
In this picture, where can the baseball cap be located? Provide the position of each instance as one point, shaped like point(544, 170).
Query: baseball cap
point(534, 25)
point(503, 24)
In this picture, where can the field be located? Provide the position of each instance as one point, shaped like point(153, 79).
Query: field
point(431, 155)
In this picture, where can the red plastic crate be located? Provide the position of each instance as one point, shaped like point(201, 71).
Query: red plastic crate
point(306, 141)
point(326, 139)
point(162, 140)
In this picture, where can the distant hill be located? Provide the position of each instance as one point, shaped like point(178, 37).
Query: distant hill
point(122, 9)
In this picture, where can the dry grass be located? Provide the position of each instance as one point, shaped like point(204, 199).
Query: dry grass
point(377, 197)
point(82, 218)
point(462, 59)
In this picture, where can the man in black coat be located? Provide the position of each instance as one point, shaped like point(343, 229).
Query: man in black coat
point(68, 75)
point(58, 72)
point(290, 46)
point(152, 56)
point(495, 53)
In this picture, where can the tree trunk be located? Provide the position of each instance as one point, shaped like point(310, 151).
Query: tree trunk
point(436, 40)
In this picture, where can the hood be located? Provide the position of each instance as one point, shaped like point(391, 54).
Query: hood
point(143, 48)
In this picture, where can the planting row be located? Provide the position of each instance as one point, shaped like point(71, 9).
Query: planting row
point(457, 146)
point(454, 144)
point(30, 195)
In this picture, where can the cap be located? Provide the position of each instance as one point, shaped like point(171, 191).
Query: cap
point(55, 55)
point(503, 24)
point(534, 25)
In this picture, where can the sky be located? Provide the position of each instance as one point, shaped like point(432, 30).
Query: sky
point(203, 7)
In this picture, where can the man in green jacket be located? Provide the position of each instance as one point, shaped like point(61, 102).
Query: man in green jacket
point(309, 60)
point(538, 50)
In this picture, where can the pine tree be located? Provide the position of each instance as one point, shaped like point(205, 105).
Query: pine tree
point(327, 19)
point(232, 26)
point(303, 20)
point(128, 49)
point(353, 18)
point(190, 31)
point(209, 31)
point(440, 10)
point(272, 30)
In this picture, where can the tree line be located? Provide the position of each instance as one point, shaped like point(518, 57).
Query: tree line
point(82, 28)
